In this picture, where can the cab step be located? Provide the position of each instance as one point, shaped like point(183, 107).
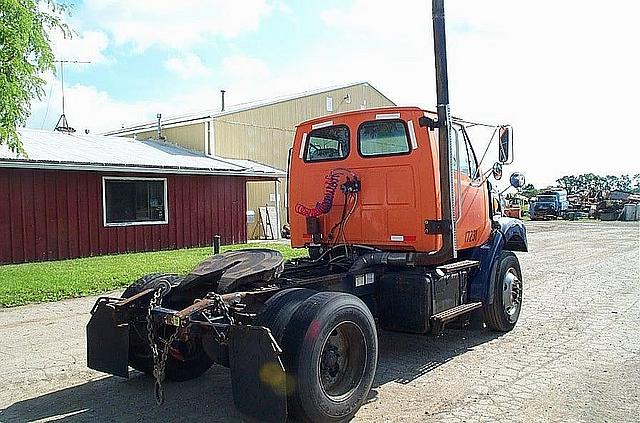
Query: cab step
point(457, 266)
point(440, 319)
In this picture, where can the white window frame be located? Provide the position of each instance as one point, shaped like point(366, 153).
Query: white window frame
point(142, 223)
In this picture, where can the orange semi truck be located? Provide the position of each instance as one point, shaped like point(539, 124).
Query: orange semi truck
point(398, 221)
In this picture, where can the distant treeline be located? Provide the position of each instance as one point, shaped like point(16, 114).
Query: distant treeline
point(591, 185)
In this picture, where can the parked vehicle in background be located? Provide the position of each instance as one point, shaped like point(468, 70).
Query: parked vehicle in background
point(550, 204)
point(517, 206)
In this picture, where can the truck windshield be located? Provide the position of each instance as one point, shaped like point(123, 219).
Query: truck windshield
point(547, 198)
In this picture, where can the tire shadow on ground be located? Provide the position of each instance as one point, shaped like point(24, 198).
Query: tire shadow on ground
point(402, 359)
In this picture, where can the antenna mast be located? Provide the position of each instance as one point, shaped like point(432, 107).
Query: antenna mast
point(63, 125)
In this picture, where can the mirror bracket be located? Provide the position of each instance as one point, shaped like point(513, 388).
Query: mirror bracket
point(427, 122)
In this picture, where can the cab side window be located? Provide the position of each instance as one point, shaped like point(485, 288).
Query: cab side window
point(468, 164)
point(331, 143)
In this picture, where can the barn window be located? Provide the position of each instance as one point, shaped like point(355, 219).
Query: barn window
point(134, 201)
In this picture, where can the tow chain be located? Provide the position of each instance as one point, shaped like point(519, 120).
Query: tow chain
point(219, 308)
point(159, 358)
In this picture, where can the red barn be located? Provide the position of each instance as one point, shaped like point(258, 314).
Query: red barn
point(86, 195)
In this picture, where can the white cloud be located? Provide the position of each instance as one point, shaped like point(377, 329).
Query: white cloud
point(187, 66)
point(146, 23)
point(87, 107)
point(245, 67)
point(87, 46)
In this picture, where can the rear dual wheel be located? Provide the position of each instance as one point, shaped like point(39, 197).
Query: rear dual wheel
point(330, 349)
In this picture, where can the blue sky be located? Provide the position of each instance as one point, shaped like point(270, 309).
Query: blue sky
point(550, 68)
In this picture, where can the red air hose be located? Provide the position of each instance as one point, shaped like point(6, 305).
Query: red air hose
point(330, 186)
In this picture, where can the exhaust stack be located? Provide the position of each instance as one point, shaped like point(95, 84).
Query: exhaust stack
point(159, 128)
point(449, 246)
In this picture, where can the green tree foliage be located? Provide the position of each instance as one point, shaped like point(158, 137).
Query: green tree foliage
point(591, 184)
point(25, 54)
point(529, 191)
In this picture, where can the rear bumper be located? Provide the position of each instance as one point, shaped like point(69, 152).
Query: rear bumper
point(257, 374)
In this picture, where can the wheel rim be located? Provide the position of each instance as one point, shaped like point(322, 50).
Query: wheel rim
point(342, 361)
point(511, 293)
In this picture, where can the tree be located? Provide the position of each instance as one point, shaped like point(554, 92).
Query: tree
point(591, 185)
point(25, 54)
point(529, 191)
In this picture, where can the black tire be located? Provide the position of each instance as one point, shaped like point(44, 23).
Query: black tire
point(501, 316)
point(279, 309)
point(196, 361)
point(151, 281)
point(326, 389)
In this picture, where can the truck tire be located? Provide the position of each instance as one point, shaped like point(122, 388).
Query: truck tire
point(331, 354)
point(194, 362)
point(503, 313)
point(150, 281)
point(279, 309)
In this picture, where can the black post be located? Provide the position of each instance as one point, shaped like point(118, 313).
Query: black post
point(444, 131)
point(216, 244)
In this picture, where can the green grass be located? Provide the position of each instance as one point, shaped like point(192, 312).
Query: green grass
point(56, 280)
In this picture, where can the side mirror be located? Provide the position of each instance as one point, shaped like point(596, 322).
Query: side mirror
point(505, 144)
point(517, 180)
point(497, 171)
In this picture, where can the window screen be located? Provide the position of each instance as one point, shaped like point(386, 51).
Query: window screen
point(134, 201)
point(331, 143)
point(383, 137)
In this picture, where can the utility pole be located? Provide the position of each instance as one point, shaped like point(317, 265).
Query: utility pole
point(63, 125)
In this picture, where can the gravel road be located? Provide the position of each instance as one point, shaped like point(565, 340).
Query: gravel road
point(573, 357)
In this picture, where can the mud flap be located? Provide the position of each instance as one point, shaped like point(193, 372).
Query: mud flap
point(107, 340)
point(257, 375)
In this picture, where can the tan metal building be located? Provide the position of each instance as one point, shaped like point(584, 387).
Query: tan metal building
point(260, 131)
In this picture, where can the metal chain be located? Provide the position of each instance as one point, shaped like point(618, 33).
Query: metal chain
point(159, 360)
point(220, 308)
point(158, 370)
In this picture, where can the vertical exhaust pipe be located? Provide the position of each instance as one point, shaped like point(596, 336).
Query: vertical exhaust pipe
point(449, 246)
point(222, 96)
point(159, 129)
point(448, 250)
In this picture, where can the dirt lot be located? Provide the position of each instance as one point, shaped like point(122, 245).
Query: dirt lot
point(574, 356)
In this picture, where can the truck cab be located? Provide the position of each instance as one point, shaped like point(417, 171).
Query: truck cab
point(550, 204)
point(395, 161)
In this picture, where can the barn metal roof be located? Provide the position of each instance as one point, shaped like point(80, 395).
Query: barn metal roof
point(210, 114)
point(56, 150)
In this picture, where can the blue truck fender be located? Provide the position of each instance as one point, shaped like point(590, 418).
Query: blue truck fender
point(514, 233)
point(511, 236)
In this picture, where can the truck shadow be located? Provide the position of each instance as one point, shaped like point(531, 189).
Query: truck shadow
point(403, 358)
point(406, 357)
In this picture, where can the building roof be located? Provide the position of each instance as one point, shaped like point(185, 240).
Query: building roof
point(210, 114)
point(56, 150)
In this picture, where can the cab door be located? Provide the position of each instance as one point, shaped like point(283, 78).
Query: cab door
point(473, 224)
